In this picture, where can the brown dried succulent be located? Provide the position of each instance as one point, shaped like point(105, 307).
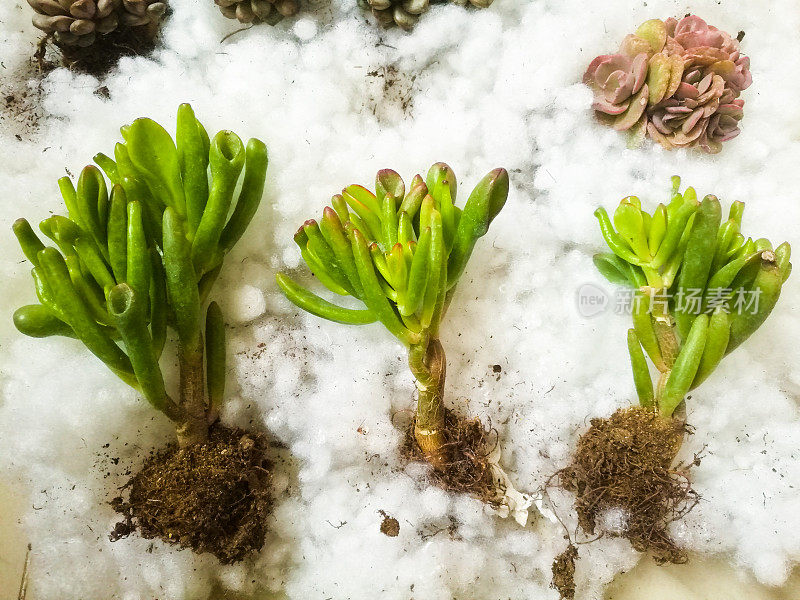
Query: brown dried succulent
point(79, 22)
point(403, 13)
point(475, 3)
point(258, 11)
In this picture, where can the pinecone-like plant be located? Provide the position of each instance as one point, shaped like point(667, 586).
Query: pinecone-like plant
point(475, 3)
point(258, 11)
point(79, 22)
point(405, 13)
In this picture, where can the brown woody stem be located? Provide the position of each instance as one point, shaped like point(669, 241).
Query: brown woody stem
point(193, 429)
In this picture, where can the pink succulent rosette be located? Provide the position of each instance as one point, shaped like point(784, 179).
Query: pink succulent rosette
point(677, 81)
point(617, 78)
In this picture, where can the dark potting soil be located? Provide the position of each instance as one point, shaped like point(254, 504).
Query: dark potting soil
point(212, 497)
point(390, 527)
point(102, 56)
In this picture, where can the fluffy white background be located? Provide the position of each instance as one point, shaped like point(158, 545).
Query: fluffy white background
point(492, 88)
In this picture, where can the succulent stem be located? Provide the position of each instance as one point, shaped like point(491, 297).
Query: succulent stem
point(429, 366)
point(193, 426)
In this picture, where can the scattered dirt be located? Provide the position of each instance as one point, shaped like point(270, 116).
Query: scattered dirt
point(20, 99)
point(468, 449)
point(625, 462)
point(390, 93)
point(211, 497)
point(103, 92)
point(20, 111)
point(564, 573)
point(21, 90)
point(390, 526)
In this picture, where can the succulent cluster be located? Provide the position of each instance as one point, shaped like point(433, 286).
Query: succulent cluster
point(258, 11)
point(401, 252)
point(405, 13)
point(677, 81)
point(79, 22)
point(131, 262)
point(700, 287)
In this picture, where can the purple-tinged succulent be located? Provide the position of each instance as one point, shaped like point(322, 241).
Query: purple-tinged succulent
point(677, 81)
point(706, 43)
point(616, 78)
point(694, 32)
point(701, 102)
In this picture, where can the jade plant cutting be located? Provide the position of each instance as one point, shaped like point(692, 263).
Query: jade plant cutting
point(698, 288)
point(401, 253)
point(136, 257)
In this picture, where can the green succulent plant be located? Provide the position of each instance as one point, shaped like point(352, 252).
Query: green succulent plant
point(140, 258)
point(401, 253)
point(700, 287)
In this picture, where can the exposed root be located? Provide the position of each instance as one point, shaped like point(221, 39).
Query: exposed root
point(212, 497)
point(23, 582)
point(466, 466)
point(564, 573)
point(624, 463)
point(41, 52)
